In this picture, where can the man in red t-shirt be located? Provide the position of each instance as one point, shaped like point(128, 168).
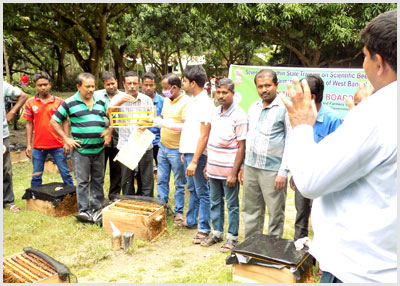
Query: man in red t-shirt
point(38, 112)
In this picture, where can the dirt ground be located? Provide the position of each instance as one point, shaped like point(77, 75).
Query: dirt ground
point(150, 265)
point(18, 136)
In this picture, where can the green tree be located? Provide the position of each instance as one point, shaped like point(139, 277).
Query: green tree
point(313, 32)
point(79, 28)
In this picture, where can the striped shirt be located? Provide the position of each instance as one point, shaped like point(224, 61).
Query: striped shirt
point(86, 125)
point(141, 100)
point(266, 141)
point(226, 130)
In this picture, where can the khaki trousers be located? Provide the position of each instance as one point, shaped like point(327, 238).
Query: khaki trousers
point(258, 191)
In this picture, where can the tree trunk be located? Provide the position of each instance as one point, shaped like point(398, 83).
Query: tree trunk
point(119, 66)
point(179, 59)
point(61, 73)
point(6, 64)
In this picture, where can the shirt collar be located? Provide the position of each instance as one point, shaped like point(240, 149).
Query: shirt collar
point(77, 97)
point(200, 95)
point(177, 99)
point(321, 113)
point(276, 102)
point(228, 112)
point(157, 98)
point(52, 99)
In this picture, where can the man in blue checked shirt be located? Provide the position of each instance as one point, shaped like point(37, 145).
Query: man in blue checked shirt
point(264, 176)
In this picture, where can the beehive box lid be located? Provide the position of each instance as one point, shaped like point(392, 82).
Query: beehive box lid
point(272, 249)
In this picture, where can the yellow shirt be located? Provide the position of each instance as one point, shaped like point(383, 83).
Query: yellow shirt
point(175, 111)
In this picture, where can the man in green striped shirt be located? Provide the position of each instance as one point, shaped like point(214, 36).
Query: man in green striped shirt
point(90, 134)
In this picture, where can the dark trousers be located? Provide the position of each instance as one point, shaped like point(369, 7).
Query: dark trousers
point(89, 178)
point(145, 177)
point(329, 278)
point(155, 153)
point(115, 172)
point(8, 195)
point(303, 210)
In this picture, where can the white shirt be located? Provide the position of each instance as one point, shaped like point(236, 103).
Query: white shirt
point(141, 100)
point(352, 177)
point(199, 109)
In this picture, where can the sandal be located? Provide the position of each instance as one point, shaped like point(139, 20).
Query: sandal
point(199, 237)
point(178, 220)
point(13, 208)
point(228, 246)
point(210, 241)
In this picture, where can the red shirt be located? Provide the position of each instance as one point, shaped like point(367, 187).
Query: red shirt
point(40, 113)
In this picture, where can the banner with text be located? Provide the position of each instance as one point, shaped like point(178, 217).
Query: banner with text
point(339, 83)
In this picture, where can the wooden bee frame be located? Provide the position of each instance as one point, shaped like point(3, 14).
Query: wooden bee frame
point(146, 114)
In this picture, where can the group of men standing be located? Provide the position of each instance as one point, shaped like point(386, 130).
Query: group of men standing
point(348, 168)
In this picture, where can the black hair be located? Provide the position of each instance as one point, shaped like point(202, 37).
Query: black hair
point(84, 76)
point(196, 73)
point(130, 73)
point(380, 37)
point(39, 75)
point(266, 73)
point(173, 79)
point(107, 76)
point(149, 75)
point(316, 85)
point(226, 82)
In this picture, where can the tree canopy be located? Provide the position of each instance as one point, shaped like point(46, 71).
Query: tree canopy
point(121, 36)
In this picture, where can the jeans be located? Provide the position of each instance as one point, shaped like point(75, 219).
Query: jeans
point(303, 210)
point(145, 177)
point(219, 190)
point(8, 194)
point(115, 172)
point(199, 200)
point(89, 177)
point(38, 160)
point(170, 159)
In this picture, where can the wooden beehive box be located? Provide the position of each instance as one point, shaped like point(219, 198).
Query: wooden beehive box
point(270, 259)
point(260, 274)
point(57, 203)
point(51, 167)
point(146, 219)
point(28, 268)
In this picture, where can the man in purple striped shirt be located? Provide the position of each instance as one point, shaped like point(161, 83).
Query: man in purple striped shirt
point(226, 147)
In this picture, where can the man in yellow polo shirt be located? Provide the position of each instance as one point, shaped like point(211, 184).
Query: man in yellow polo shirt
point(172, 118)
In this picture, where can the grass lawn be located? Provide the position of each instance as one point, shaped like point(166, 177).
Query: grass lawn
point(86, 249)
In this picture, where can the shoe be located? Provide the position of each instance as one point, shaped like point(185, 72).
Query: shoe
point(13, 208)
point(210, 241)
point(84, 217)
point(228, 245)
point(189, 226)
point(179, 220)
point(199, 237)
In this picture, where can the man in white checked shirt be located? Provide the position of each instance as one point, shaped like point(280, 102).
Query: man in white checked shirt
point(264, 176)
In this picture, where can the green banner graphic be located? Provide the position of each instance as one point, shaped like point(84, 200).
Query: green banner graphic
point(339, 83)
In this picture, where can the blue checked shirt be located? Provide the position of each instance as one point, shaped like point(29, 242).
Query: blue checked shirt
point(268, 134)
